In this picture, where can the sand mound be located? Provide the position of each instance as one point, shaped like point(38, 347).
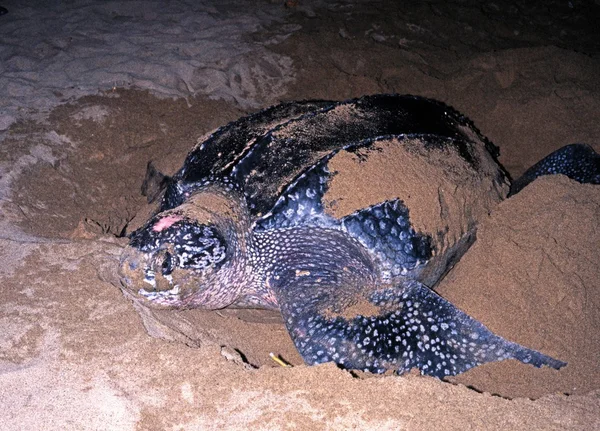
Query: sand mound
point(532, 276)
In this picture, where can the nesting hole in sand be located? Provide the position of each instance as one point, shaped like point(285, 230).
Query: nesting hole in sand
point(82, 178)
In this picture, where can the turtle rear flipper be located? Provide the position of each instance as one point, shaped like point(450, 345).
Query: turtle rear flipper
point(577, 161)
point(389, 328)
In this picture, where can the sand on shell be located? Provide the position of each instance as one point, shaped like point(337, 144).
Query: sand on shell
point(74, 352)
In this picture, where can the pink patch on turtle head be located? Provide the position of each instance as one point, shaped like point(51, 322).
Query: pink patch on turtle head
point(165, 223)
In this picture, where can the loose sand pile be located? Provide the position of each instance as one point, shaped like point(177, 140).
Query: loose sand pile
point(75, 354)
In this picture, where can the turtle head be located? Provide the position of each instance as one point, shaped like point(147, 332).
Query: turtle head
point(193, 255)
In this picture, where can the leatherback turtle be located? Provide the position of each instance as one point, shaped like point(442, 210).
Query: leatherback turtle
point(324, 211)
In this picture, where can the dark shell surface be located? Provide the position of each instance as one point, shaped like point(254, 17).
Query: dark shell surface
point(264, 152)
point(279, 159)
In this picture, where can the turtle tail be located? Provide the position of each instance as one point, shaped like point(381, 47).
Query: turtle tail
point(403, 328)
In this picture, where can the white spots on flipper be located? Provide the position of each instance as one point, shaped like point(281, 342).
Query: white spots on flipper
point(385, 230)
point(444, 342)
point(301, 203)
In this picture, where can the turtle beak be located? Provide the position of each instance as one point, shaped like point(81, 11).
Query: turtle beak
point(146, 278)
point(147, 271)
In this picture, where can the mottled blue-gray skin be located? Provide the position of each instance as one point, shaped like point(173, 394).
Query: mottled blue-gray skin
point(577, 161)
point(242, 224)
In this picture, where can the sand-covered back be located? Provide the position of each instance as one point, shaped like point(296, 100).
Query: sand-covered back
point(83, 110)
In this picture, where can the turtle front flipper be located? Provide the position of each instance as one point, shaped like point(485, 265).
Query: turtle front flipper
point(332, 317)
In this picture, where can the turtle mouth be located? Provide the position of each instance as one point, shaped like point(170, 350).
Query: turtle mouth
point(156, 279)
point(149, 276)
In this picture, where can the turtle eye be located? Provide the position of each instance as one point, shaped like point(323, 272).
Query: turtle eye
point(167, 263)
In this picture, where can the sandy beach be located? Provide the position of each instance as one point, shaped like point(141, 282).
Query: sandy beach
point(93, 90)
